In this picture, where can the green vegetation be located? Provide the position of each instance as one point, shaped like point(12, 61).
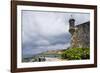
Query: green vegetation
point(76, 54)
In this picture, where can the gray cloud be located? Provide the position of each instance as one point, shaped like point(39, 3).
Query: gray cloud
point(42, 31)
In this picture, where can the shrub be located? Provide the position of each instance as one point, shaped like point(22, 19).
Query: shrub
point(76, 54)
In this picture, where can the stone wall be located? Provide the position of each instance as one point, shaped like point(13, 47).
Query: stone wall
point(81, 36)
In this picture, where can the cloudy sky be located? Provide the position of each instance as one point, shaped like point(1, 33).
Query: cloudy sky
point(42, 31)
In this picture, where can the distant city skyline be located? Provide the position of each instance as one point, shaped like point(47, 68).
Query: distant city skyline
point(42, 31)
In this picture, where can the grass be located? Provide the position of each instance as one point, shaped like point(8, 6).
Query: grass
point(76, 54)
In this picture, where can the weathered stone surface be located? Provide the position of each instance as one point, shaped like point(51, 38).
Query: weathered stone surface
point(80, 36)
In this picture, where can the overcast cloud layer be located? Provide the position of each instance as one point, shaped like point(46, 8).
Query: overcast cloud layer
point(42, 31)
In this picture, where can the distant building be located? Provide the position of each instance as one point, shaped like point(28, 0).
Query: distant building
point(80, 34)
